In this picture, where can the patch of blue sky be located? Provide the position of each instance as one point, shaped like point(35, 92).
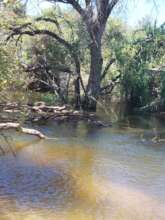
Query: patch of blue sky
point(135, 12)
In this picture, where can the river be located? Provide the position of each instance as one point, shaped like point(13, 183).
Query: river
point(87, 173)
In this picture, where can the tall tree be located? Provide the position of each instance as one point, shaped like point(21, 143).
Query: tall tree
point(94, 14)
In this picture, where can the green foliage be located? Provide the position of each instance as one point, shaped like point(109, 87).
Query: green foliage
point(13, 79)
point(136, 53)
point(49, 98)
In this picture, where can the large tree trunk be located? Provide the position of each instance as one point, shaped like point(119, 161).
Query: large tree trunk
point(77, 94)
point(94, 82)
point(77, 83)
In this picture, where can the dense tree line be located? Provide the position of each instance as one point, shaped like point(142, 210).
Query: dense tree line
point(81, 56)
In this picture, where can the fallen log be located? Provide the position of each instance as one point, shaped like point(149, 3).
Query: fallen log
point(156, 140)
point(41, 112)
point(17, 126)
point(44, 108)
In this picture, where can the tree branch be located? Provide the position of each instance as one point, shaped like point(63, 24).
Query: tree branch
point(111, 6)
point(87, 2)
point(108, 65)
point(108, 88)
point(36, 68)
point(53, 21)
point(19, 31)
point(17, 126)
point(77, 7)
point(102, 10)
point(75, 4)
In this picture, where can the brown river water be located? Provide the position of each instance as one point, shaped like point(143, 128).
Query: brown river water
point(88, 173)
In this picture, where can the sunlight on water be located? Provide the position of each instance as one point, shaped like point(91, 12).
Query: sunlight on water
point(95, 174)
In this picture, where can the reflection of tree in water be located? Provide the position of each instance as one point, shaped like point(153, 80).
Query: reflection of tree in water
point(78, 165)
point(8, 144)
point(76, 130)
point(75, 160)
point(86, 191)
point(152, 129)
point(159, 133)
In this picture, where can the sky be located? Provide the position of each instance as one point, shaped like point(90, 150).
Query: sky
point(137, 10)
point(142, 9)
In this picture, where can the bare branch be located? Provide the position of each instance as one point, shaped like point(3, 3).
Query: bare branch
point(75, 4)
point(77, 7)
point(19, 31)
point(108, 88)
point(111, 5)
point(54, 21)
point(108, 65)
point(36, 68)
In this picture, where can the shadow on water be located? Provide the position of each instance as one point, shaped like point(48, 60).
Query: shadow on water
point(49, 180)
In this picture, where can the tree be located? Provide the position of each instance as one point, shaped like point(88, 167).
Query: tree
point(94, 15)
point(13, 79)
point(48, 63)
point(140, 60)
